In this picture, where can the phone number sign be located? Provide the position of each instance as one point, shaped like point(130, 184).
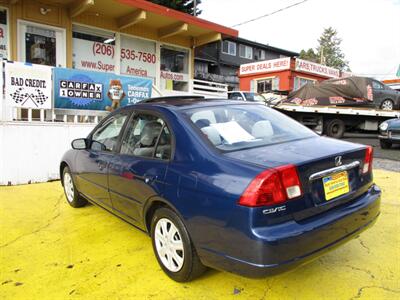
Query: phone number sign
point(137, 56)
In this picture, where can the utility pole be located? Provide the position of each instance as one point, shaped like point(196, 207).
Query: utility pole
point(322, 58)
point(194, 8)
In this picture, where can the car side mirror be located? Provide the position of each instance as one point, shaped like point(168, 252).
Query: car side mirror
point(79, 144)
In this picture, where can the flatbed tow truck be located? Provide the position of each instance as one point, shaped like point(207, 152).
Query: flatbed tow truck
point(334, 121)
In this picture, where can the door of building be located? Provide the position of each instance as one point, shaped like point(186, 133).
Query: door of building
point(41, 44)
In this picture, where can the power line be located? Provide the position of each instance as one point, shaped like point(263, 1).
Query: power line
point(270, 14)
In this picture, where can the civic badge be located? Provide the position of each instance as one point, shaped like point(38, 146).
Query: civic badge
point(338, 161)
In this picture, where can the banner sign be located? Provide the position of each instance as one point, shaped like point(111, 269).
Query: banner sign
point(265, 66)
point(314, 68)
point(28, 86)
point(78, 89)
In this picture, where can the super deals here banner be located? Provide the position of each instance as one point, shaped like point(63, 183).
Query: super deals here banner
point(79, 89)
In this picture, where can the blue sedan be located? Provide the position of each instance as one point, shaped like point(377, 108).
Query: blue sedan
point(222, 184)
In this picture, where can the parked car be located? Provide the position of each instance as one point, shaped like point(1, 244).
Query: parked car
point(224, 184)
point(246, 96)
point(385, 97)
point(389, 133)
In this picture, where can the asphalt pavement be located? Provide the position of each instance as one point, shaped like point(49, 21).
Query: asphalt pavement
point(386, 159)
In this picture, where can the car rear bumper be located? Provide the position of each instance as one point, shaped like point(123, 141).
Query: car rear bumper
point(284, 246)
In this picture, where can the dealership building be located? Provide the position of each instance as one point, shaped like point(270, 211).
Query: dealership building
point(65, 63)
point(283, 74)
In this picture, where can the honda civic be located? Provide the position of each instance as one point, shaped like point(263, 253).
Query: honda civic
point(234, 186)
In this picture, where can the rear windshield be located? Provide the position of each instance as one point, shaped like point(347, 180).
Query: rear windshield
point(236, 127)
point(254, 97)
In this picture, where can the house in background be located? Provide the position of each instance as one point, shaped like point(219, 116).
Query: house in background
point(220, 61)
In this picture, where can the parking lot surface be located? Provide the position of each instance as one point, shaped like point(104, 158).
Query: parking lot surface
point(49, 250)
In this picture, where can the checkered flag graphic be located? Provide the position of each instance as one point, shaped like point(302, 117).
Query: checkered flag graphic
point(18, 97)
point(39, 98)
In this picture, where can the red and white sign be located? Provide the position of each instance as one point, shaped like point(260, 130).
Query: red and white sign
point(265, 66)
point(3, 41)
point(137, 56)
point(314, 68)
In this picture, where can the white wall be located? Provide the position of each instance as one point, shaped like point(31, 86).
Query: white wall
point(31, 152)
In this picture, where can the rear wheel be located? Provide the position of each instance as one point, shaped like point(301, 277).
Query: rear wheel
point(335, 128)
point(72, 195)
point(387, 105)
point(385, 144)
point(173, 247)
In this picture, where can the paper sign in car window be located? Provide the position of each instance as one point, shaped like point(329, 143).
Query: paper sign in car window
point(232, 132)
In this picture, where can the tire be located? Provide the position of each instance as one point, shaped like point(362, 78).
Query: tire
point(71, 193)
point(387, 105)
point(176, 255)
point(385, 144)
point(335, 128)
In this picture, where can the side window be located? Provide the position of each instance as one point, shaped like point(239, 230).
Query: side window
point(108, 133)
point(147, 136)
point(376, 85)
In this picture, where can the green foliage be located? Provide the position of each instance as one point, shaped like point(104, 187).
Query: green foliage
point(309, 55)
point(328, 51)
point(186, 6)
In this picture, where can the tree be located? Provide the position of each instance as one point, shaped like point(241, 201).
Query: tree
point(309, 55)
point(328, 51)
point(186, 6)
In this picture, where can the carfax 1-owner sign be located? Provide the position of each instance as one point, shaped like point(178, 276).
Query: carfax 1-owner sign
point(79, 89)
point(28, 86)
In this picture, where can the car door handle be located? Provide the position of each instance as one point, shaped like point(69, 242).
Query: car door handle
point(149, 179)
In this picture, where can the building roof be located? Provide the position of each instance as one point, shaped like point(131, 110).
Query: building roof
point(263, 46)
point(144, 18)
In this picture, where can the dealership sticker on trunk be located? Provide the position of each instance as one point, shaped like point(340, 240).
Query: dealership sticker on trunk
point(336, 185)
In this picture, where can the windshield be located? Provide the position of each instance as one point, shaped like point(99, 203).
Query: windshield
point(236, 127)
point(254, 97)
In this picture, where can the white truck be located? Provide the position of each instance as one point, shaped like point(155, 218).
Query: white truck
point(334, 121)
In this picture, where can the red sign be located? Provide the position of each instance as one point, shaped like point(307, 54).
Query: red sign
point(272, 65)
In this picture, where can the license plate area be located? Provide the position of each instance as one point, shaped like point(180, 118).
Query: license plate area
point(335, 185)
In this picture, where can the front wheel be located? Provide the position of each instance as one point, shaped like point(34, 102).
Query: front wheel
point(173, 247)
point(72, 195)
point(385, 144)
point(387, 105)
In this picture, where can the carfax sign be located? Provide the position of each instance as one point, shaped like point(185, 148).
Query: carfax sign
point(79, 89)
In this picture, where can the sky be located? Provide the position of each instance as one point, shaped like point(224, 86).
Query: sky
point(369, 29)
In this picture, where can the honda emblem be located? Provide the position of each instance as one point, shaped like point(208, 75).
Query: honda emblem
point(338, 161)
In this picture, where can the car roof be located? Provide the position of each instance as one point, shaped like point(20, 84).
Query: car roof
point(183, 102)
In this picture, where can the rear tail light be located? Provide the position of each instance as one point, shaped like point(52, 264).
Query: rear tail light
point(273, 186)
point(367, 167)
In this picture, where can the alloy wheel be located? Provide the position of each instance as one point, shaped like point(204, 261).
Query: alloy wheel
point(387, 105)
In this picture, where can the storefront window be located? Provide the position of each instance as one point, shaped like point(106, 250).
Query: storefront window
point(268, 85)
point(138, 57)
point(174, 69)
point(93, 49)
point(3, 34)
point(40, 46)
point(299, 82)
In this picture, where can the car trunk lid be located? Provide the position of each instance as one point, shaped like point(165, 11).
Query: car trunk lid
point(318, 160)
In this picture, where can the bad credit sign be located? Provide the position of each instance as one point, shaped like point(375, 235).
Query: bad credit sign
point(272, 65)
point(314, 68)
